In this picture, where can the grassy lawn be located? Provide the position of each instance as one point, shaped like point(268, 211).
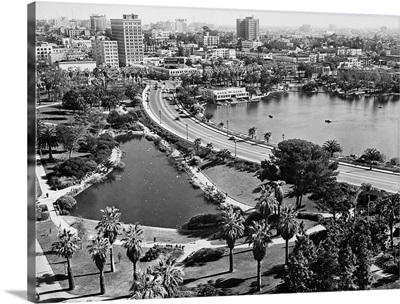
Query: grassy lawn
point(85, 271)
point(118, 283)
point(55, 114)
point(245, 187)
point(243, 279)
point(162, 235)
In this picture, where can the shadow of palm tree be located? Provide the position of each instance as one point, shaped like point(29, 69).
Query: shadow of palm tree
point(187, 281)
point(228, 283)
point(49, 279)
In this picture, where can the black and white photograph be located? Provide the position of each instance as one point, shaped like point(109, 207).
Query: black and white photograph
point(192, 152)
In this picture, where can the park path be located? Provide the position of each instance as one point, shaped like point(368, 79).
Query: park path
point(47, 286)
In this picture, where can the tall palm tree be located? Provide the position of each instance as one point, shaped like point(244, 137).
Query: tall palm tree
point(392, 212)
point(232, 228)
point(260, 237)
point(66, 247)
point(252, 131)
point(366, 189)
point(110, 226)
point(267, 136)
point(332, 146)
point(288, 226)
point(171, 273)
point(266, 206)
point(133, 244)
point(278, 193)
point(98, 250)
point(196, 144)
point(47, 139)
point(148, 286)
point(223, 154)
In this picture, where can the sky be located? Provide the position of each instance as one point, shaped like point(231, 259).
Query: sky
point(48, 10)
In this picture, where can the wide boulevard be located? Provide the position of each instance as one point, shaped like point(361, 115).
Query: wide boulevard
point(188, 127)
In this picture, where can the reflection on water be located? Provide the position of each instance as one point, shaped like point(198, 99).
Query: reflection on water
point(357, 123)
point(149, 191)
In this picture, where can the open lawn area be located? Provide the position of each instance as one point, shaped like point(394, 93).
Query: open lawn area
point(85, 271)
point(245, 187)
point(162, 235)
point(243, 279)
point(54, 114)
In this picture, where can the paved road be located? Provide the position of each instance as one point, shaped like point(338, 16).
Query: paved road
point(188, 127)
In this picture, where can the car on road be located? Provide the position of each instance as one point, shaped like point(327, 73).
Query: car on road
point(232, 137)
point(177, 118)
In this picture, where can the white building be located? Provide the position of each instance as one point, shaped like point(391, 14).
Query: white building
point(160, 34)
point(43, 50)
point(210, 40)
point(161, 71)
point(105, 52)
point(222, 53)
point(230, 93)
point(82, 65)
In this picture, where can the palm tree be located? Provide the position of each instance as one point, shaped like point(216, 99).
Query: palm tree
point(110, 226)
point(366, 189)
point(47, 138)
point(66, 247)
point(196, 144)
point(148, 286)
point(252, 131)
point(267, 136)
point(232, 228)
point(209, 147)
point(223, 154)
point(171, 273)
point(98, 250)
point(266, 206)
point(288, 226)
point(332, 146)
point(260, 237)
point(279, 194)
point(133, 244)
point(391, 212)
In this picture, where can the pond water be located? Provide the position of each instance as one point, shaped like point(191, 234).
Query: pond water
point(357, 124)
point(150, 190)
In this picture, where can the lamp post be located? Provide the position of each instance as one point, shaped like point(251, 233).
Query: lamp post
point(227, 128)
point(235, 148)
point(159, 111)
point(283, 136)
point(187, 132)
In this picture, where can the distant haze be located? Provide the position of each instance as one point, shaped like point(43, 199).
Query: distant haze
point(49, 10)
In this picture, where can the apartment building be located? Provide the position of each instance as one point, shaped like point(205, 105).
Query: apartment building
point(209, 40)
point(129, 36)
point(105, 52)
point(248, 28)
point(229, 93)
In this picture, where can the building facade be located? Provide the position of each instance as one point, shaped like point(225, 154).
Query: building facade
point(128, 33)
point(209, 40)
point(105, 52)
point(230, 93)
point(98, 23)
point(248, 28)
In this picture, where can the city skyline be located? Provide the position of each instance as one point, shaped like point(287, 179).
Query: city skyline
point(151, 14)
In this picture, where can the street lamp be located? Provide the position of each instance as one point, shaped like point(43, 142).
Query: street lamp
point(235, 148)
point(187, 132)
point(159, 111)
point(227, 128)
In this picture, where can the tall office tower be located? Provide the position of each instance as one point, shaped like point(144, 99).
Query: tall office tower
point(306, 28)
point(98, 23)
point(248, 28)
point(128, 33)
point(105, 52)
point(332, 27)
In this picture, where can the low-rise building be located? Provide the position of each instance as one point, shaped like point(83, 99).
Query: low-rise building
point(82, 65)
point(167, 73)
point(222, 53)
point(43, 50)
point(229, 93)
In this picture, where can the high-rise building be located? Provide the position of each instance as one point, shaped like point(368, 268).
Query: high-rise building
point(181, 26)
point(306, 28)
point(209, 40)
point(248, 28)
point(105, 52)
point(98, 23)
point(128, 33)
point(332, 27)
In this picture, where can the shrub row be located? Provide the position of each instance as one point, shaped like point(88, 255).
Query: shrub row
point(201, 221)
point(310, 216)
point(204, 255)
point(157, 250)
